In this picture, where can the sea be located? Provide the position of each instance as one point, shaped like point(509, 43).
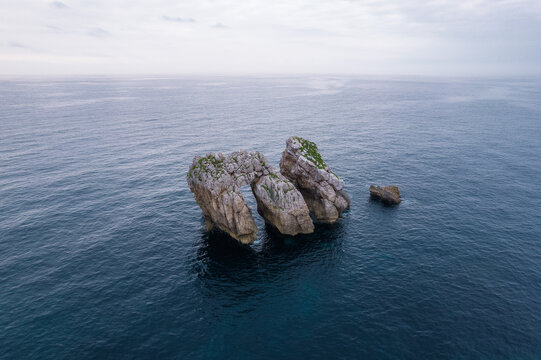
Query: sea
point(104, 253)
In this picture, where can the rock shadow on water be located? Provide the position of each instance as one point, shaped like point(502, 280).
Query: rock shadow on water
point(223, 263)
point(325, 236)
point(388, 206)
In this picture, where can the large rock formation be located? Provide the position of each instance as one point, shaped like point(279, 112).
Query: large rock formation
point(216, 179)
point(281, 204)
point(322, 189)
point(388, 194)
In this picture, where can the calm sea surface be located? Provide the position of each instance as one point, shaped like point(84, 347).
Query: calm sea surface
point(103, 252)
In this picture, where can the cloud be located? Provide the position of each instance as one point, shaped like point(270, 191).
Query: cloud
point(59, 5)
point(98, 32)
point(178, 19)
point(17, 45)
point(428, 37)
point(220, 26)
point(54, 28)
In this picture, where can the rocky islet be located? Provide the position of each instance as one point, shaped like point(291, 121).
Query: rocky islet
point(388, 195)
point(216, 179)
point(304, 185)
point(321, 188)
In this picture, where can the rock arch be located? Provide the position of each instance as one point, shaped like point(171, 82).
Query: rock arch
point(215, 180)
point(305, 184)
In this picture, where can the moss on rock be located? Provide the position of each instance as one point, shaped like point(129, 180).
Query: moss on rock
point(310, 151)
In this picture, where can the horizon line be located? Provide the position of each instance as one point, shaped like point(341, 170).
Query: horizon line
point(268, 75)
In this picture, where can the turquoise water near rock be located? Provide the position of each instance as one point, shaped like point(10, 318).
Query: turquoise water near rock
point(103, 252)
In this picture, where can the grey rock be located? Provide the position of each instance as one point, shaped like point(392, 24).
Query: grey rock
point(282, 205)
point(322, 190)
point(215, 181)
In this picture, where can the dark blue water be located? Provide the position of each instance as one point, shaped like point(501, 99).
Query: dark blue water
point(103, 252)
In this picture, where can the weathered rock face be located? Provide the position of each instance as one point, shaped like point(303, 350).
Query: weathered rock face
point(216, 179)
point(323, 191)
point(388, 194)
point(282, 205)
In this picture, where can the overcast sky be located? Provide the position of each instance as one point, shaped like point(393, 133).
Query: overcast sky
point(417, 37)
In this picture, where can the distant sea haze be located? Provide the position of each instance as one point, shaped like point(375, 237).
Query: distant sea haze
point(104, 253)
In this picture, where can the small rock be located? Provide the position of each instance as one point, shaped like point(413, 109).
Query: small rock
point(388, 194)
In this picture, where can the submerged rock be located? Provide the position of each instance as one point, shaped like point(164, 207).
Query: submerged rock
point(322, 190)
point(388, 194)
point(216, 179)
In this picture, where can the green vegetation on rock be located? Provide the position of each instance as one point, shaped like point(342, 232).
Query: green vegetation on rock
point(210, 166)
point(269, 191)
point(310, 151)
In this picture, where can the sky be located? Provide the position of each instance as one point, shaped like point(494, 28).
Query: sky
point(387, 37)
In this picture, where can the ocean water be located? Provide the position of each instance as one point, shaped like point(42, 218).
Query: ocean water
point(103, 252)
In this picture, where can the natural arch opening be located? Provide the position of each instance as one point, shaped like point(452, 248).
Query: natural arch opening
point(251, 202)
